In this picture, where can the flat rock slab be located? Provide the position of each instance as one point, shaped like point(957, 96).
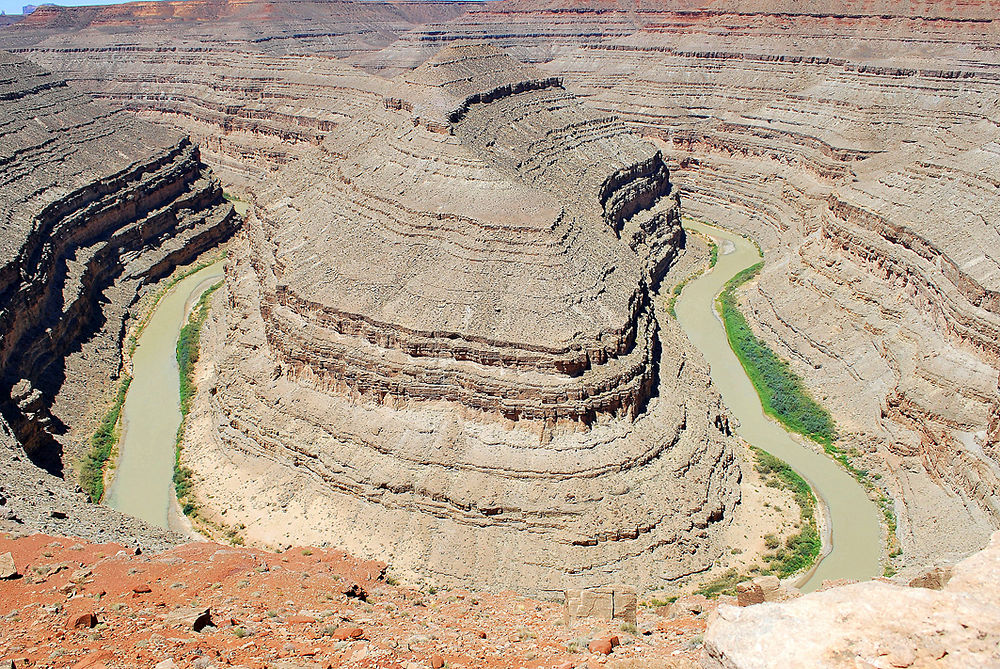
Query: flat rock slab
point(7, 568)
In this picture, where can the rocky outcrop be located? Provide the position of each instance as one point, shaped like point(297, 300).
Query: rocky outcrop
point(436, 336)
point(875, 624)
point(95, 206)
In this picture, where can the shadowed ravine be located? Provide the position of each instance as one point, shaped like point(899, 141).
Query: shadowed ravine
point(142, 486)
point(854, 543)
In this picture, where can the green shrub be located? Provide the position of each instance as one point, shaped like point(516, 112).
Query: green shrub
point(782, 393)
point(188, 345)
point(102, 444)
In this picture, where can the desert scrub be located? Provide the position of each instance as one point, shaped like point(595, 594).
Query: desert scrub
point(785, 398)
point(782, 393)
point(800, 550)
point(188, 344)
point(102, 444)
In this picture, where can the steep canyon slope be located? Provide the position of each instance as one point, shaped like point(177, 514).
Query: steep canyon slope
point(857, 141)
point(443, 318)
point(95, 207)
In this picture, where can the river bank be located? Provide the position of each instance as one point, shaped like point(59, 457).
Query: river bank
point(852, 545)
point(143, 479)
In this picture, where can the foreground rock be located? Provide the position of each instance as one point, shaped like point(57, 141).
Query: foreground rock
point(872, 624)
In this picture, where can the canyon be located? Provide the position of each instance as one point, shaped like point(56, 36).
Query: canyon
point(442, 341)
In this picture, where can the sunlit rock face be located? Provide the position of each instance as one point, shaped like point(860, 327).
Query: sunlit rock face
point(441, 323)
point(856, 141)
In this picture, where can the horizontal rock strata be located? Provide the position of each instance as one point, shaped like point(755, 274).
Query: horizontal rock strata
point(94, 207)
point(447, 327)
point(857, 141)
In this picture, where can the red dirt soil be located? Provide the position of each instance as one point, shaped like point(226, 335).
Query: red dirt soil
point(300, 608)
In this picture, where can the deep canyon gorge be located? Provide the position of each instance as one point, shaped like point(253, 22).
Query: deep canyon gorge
point(445, 339)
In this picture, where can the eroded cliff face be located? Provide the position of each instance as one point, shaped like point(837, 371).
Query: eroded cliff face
point(858, 144)
point(857, 141)
point(438, 338)
point(95, 206)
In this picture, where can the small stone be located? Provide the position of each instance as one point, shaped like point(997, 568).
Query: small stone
point(7, 568)
point(345, 633)
point(300, 619)
point(166, 664)
point(749, 593)
point(82, 621)
point(355, 591)
point(195, 618)
point(437, 662)
point(600, 646)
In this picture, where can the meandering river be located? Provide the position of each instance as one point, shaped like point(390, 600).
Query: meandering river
point(854, 542)
point(143, 483)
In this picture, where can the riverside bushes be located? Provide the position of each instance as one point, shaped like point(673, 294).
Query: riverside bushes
point(802, 549)
point(188, 346)
point(102, 443)
point(782, 393)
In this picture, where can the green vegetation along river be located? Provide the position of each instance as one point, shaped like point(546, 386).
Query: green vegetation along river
point(143, 484)
point(854, 539)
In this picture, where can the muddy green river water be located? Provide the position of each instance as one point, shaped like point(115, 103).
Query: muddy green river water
point(854, 541)
point(143, 482)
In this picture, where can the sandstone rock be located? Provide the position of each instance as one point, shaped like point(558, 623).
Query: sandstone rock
point(934, 578)
point(604, 603)
point(868, 623)
point(345, 633)
point(194, 618)
point(7, 568)
point(167, 664)
point(773, 590)
point(436, 662)
point(689, 605)
point(600, 646)
point(82, 621)
point(749, 593)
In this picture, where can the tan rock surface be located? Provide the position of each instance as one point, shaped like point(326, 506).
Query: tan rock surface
point(448, 338)
point(869, 624)
point(855, 141)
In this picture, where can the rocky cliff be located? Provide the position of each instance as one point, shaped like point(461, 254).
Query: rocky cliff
point(95, 206)
point(439, 330)
point(857, 141)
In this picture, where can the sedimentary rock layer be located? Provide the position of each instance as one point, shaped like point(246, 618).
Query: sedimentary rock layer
point(443, 317)
point(94, 206)
point(857, 141)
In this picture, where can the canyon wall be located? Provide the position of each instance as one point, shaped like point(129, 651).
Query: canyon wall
point(95, 207)
point(857, 141)
point(438, 340)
